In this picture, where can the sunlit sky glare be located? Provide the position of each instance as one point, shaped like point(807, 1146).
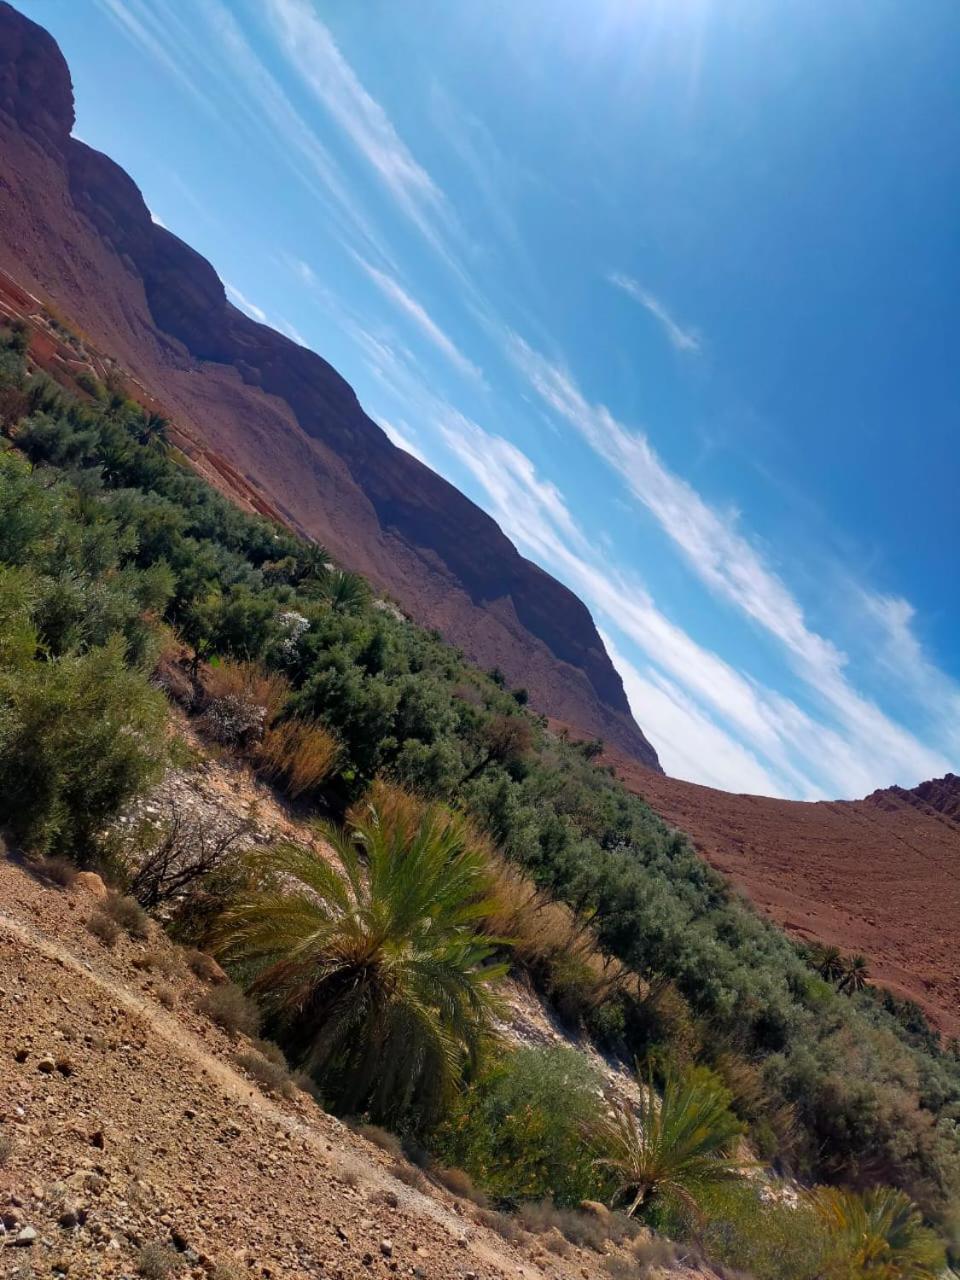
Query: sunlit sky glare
point(669, 287)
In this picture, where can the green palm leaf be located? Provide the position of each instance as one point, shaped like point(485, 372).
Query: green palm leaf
point(369, 964)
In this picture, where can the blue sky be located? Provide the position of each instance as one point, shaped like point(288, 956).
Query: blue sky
point(670, 287)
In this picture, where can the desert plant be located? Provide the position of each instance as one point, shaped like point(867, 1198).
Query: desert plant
point(203, 966)
point(878, 1235)
point(674, 1146)
point(249, 683)
point(103, 927)
point(297, 753)
point(128, 914)
point(371, 967)
point(79, 736)
point(508, 1132)
point(828, 961)
point(343, 591)
point(187, 851)
point(230, 1009)
point(156, 1261)
point(459, 1183)
point(7, 1148)
point(270, 1074)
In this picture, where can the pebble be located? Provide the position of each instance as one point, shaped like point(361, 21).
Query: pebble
point(26, 1237)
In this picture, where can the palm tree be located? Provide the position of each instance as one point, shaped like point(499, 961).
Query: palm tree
point(828, 961)
point(876, 1236)
point(676, 1146)
point(856, 973)
point(370, 965)
point(346, 592)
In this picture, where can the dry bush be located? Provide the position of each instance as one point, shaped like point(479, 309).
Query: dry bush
point(128, 914)
point(578, 1228)
point(157, 960)
point(203, 966)
point(55, 871)
point(559, 951)
point(186, 852)
point(399, 810)
point(230, 1009)
point(459, 1183)
point(504, 1224)
point(7, 1147)
point(157, 1261)
point(382, 1138)
point(298, 754)
point(247, 682)
point(167, 996)
point(103, 927)
point(409, 1174)
point(268, 1073)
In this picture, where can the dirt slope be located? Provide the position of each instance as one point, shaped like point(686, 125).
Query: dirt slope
point(880, 875)
point(142, 1130)
point(74, 230)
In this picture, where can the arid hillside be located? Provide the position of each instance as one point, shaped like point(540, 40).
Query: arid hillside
point(74, 231)
point(879, 875)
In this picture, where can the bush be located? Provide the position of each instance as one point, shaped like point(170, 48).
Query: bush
point(512, 1134)
point(459, 1183)
point(7, 1148)
point(269, 1074)
point(581, 1229)
point(56, 871)
point(382, 1138)
point(157, 1261)
point(128, 914)
point(104, 927)
point(203, 966)
point(80, 736)
point(300, 754)
point(230, 1009)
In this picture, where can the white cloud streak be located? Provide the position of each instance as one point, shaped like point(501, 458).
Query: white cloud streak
point(680, 338)
point(243, 302)
point(393, 290)
point(401, 438)
point(312, 51)
point(731, 567)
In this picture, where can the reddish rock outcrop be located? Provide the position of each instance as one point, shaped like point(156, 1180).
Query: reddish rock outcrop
point(75, 231)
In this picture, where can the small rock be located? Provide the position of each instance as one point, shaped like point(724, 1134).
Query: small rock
point(386, 1248)
point(26, 1237)
point(46, 1065)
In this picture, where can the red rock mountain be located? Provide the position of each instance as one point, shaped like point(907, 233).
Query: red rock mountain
point(274, 421)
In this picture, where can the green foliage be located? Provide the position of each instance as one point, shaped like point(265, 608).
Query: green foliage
point(525, 1128)
point(879, 1234)
point(80, 735)
point(371, 967)
point(112, 529)
point(675, 1146)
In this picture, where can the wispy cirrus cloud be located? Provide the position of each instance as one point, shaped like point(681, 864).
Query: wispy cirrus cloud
point(682, 339)
point(312, 51)
point(725, 561)
point(244, 303)
point(401, 437)
point(393, 290)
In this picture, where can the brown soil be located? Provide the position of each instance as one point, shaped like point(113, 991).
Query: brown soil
point(143, 1130)
point(880, 876)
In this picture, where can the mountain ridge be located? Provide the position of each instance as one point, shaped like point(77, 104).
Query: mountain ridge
point(75, 229)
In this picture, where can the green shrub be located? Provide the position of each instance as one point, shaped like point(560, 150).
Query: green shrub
point(79, 737)
point(524, 1130)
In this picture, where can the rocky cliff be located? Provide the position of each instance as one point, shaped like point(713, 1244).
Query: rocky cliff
point(74, 229)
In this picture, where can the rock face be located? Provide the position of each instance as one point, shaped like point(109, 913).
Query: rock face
point(281, 421)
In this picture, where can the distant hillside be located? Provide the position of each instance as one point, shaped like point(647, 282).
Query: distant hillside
point(75, 230)
point(880, 875)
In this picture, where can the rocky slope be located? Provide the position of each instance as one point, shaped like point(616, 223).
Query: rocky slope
point(130, 1133)
point(879, 875)
point(74, 230)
